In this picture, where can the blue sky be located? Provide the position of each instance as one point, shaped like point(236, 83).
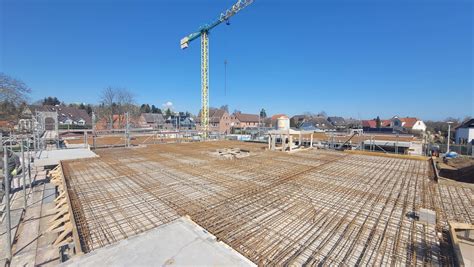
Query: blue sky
point(349, 58)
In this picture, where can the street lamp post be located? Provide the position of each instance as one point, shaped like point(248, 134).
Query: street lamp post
point(449, 135)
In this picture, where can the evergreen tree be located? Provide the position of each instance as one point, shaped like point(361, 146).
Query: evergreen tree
point(378, 123)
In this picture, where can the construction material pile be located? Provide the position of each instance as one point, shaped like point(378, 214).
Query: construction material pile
point(230, 153)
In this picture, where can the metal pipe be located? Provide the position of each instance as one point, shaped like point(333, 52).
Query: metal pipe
point(23, 174)
point(29, 161)
point(7, 203)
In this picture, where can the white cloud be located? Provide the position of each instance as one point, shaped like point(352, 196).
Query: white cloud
point(168, 105)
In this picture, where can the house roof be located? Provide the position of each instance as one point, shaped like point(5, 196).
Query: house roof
point(65, 113)
point(386, 123)
point(277, 116)
point(337, 120)
point(408, 122)
point(467, 124)
point(242, 117)
point(369, 123)
point(308, 126)
point(215, 115)
point(373, 123)
point(153, 117)
point(6, 123)
point(321, 123)
point(298, 117)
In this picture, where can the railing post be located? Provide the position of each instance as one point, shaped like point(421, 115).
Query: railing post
point(23, 174)
point(29, 160)
point(7, 203)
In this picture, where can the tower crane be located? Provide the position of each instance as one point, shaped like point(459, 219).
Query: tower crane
point(203, 32)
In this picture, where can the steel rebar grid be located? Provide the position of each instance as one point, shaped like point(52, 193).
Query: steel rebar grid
point(275, 208)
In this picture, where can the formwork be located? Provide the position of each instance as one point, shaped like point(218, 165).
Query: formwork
point(310, 207)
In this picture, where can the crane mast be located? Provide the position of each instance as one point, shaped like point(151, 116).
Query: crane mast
point(203, 32)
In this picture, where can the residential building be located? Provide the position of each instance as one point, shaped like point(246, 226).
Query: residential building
point(219, 121)
point(67, 115)
point(151, 120)
point(408, 124)
point(181, 120)
point(371, 126)
point(338, 122)
point(352, 123)
point(320, 123)
point(395, 124)
point(242, 120)
point(317, 123)
point(465, 132)
point(25, 121)
point(297, 120)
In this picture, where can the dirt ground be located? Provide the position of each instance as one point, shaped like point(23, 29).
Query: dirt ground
point(459, 169)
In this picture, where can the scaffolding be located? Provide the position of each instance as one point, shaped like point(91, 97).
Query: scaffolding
point(310, 207)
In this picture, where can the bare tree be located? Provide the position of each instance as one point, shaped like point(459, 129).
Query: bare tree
point(13, 90)
point(225, 107)
point(117, 101)
point(108, 98)
point(125, 103)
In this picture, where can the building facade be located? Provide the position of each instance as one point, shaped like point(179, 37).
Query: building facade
point(465, 132)
point(219, 122)
point(242, 120)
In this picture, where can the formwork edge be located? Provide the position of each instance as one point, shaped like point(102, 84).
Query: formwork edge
point(75, 234)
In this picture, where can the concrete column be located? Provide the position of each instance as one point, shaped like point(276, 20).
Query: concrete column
point(283, 142)
point(86, 139)
point(311, 141)
point(290, 142)
point(274, 142)
point(300, 140)
point(269, 141)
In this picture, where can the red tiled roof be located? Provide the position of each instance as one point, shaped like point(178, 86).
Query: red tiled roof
point(409, 122)
point(369, 123)
point(373, 123)
point(385, 123)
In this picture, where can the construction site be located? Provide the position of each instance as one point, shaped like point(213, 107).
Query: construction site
point(311, 206)
point(288, 197)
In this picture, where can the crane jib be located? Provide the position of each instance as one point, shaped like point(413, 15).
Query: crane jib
point(224, 16)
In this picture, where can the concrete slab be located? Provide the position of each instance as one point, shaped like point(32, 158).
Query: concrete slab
point(24, 250)
point(52, 157)
point(70, 146)
point(16, 212)
point(180, 243)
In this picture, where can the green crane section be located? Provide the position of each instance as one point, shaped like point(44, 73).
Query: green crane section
point(203, 32)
